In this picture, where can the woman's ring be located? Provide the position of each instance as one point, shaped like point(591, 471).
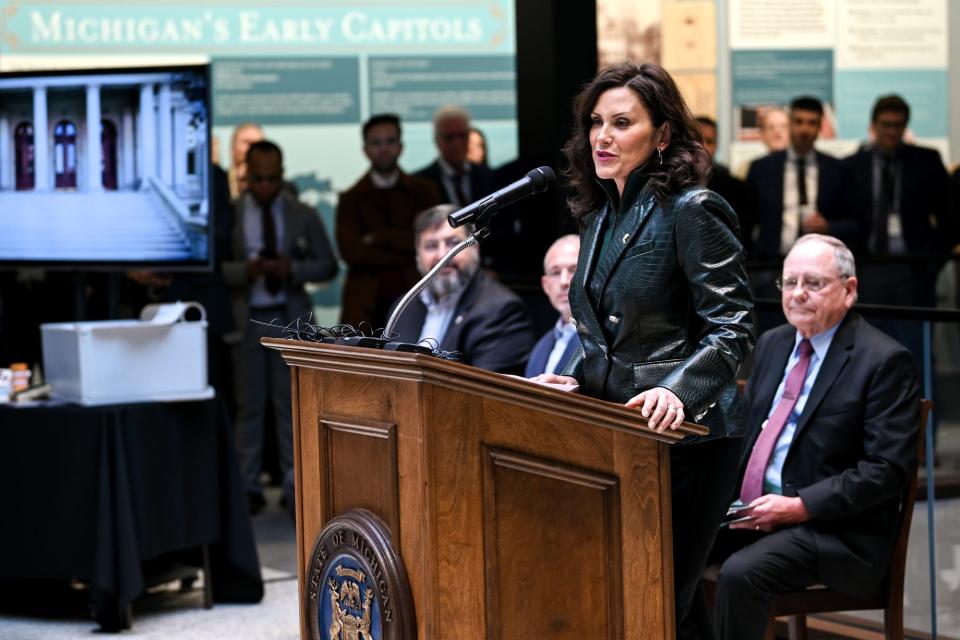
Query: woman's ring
point(670, 407)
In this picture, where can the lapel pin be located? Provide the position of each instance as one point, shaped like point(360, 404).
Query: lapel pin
point(626, 237)
point(458, 320)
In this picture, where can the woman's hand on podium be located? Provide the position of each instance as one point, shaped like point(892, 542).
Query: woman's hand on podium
point(552, 378)
point(563, 383)
point(661, 407)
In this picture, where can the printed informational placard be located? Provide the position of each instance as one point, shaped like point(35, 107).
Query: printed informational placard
point(765, 79)
point(286, 90)
point(412, 87)
point(900, 34)
point(773, 24)
point(844, 52)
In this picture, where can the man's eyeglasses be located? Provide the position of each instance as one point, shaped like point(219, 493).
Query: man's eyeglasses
point(811, 284)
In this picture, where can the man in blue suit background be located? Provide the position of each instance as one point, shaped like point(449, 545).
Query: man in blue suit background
point(557, 346)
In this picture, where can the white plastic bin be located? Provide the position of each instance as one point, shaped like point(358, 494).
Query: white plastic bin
point(161, 357)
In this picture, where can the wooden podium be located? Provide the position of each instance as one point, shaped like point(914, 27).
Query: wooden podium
point(519, 511)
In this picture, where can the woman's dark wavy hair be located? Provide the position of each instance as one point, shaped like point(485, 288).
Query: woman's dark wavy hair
point(685, 162)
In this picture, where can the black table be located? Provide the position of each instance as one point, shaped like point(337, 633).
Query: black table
point(96, 493)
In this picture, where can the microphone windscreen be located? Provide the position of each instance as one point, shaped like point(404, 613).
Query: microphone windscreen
point(542, 178)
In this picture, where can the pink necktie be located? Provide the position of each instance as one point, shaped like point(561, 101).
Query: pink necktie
point(752, 486)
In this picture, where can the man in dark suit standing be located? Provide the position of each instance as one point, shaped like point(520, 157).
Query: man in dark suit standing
point(731, 188)
point(375, 226)
point(458, 180)
point(278, 245)
point(464, 310)
point(797, 190)
point(898, 193)
point(554, 350)
point(832, 416)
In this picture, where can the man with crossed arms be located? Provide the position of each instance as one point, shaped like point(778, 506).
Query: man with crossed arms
point(832, 411)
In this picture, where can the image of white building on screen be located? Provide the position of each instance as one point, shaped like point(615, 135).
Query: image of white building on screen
point(104, 167)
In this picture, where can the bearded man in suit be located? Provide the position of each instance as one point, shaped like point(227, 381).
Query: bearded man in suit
point(464, 310)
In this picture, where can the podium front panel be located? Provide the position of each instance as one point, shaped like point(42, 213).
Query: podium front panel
point(552, 535)
point(517, 511)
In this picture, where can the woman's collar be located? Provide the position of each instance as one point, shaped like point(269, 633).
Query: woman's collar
point(636, 182)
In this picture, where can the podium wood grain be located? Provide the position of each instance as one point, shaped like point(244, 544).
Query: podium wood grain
point(518, 510)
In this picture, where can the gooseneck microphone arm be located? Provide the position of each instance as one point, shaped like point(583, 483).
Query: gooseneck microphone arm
point(471, 240)
point(477, 213)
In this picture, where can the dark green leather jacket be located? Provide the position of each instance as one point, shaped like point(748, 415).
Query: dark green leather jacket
point(665, 303)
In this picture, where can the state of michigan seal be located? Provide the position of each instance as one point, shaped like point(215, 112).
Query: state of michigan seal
point(356, 587)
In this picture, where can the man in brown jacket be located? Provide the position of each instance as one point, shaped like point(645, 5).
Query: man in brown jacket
point(375, 226)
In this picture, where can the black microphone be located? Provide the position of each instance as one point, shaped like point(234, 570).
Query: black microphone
point(537, 181)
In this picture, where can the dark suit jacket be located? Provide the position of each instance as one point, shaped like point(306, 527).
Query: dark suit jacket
point(736, 193)
point(923, 195)
point(853, 449)
point(304, 242)
point(541, 353)
point(955, 194)
point(490, 327)
point(765, 181)
point(481, 180)
point(383, 267)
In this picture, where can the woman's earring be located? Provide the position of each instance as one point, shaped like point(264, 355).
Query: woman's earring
point(660, 154)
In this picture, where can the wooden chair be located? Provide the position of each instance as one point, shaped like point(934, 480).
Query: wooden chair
point(796, 605)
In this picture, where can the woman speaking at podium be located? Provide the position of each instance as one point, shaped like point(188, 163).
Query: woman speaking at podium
point(660, 296)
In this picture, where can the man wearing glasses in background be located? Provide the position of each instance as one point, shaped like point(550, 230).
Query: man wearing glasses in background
point(898, 193)
point(555, 349)
point(832, 411)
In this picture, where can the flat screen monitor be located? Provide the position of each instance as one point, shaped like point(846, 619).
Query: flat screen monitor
point(106, 168)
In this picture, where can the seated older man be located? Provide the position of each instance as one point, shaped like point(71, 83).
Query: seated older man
point(556, 347)
point(832, 415)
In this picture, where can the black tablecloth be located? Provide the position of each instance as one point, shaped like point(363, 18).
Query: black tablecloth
point(92, 493)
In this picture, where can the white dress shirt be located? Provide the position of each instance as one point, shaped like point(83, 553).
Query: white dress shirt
point(253, 238)
point(792, 209)
point(439, 314)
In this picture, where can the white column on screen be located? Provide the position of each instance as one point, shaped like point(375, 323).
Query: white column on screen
point(41, 142)
point(147, 138)
point(127, 147)
point(94, 142)
point(6, 153)
point(165, 135)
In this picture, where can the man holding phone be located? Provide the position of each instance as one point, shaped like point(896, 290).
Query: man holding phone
point(832, 416)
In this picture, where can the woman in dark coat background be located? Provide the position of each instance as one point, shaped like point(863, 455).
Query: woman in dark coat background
point(660, 296)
